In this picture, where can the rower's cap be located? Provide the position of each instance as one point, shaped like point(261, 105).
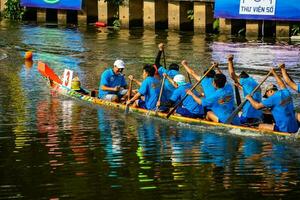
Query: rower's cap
point(268, 88)
point(179, 79)
point(119, 64)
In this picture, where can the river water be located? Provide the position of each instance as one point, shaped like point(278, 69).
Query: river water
point(53, 147)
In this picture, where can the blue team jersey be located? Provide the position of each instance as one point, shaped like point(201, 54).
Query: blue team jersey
point(110, 79)
point(150, 88)
point(168, 87)
point(189, 103)
point(249, 111)
point(299, 88)
point(222, 104)
point(207, 86)
point(282, 108)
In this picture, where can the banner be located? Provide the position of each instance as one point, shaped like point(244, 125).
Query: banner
point(55, 4)
point(286, 10)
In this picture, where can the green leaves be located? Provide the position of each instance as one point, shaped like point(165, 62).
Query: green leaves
point(13, 10)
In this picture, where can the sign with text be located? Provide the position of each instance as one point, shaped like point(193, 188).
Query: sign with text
point(55, 4)
point(258, 9)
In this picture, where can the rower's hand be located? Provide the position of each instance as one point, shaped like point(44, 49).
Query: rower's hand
point(248, 97)
point(273, 71)
point(117, 88)
point(281, 66)
point(189, 92)
point(128, 102)
point(130, 77)
point(161, 46)
point(158, 104)
point(215, 64)
point(184, 62)
point(230, 57)
point(165, 75)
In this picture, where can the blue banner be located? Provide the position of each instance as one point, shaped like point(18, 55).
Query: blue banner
point(288, 10)
point(55, 4)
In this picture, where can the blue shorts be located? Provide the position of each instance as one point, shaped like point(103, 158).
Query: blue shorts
point(141, 104)
point(186, 113)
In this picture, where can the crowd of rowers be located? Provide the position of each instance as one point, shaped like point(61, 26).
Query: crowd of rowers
point(216, 102)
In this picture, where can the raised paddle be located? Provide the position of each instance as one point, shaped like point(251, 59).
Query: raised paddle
point(237, 95)
point(129, 96)
point(194, 86)
point(237, 110)
point(165, 65)
point(160, 93)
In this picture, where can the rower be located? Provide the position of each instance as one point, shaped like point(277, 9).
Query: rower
point(247, 83)
point(207, 82)
point(171, 71)
point(221, 102)
point(149, 88)
point(281, 104)
point(290, 82)
point(113, 84)
point(189, 108)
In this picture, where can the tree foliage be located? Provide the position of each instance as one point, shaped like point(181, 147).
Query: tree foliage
point(13, 10)
point(116, 2)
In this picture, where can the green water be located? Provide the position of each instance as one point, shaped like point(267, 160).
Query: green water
point(52, 147)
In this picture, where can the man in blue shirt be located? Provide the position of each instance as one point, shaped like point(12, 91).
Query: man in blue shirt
point(171, 72)
point(189, 108)
point(150, 88)
point(207, 83)
point(290, 82)
point(113, 84)
point(221, 102)
point(247, 83)
point(281, 104)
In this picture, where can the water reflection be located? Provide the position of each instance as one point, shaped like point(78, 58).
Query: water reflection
point(62, 148)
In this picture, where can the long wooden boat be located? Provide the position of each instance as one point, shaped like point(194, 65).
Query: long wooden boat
point(56, 84)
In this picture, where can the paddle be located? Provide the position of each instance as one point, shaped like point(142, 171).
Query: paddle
point(160, 93)
point(129, 96)
point(165, 65)
point(194, 86)
point(237, 95)
point(235, 112)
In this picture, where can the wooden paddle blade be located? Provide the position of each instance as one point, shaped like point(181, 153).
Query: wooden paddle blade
point(47, 72)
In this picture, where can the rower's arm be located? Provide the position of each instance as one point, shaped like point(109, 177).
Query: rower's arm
point(130, 77)
point(217, 69)
point(158, 56)
point(254, 103)
point(135, 97)
point(196, 98)
point(231, 70)
point(190, 70)
point(171, 80)
point(112, 89)
point(287, 78)
point(278, 80)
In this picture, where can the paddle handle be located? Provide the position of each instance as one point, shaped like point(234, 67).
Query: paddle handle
point(164, 55)
point(129, 95)
point(160, 92)
point(237, 110)
point(194, 86)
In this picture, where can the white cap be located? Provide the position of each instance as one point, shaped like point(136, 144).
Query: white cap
point(119, 64)
point(179, 78)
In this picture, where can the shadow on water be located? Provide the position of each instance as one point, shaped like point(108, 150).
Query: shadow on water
point(53, 147)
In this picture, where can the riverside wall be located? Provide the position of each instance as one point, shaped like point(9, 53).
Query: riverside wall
point(157, 14)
